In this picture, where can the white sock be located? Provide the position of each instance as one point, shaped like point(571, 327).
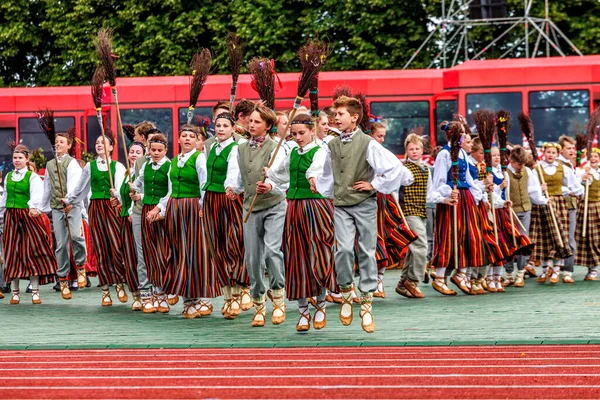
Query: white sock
point(14, 285)
point(35, 283)
point(319, 316)
point(303, 310)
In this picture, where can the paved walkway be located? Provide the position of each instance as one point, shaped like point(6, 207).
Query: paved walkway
point(536, 314)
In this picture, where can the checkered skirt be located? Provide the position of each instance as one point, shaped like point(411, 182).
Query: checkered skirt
point(543, 233)
point(588, 247)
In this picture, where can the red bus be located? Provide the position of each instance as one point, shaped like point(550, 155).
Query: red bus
point(559, 94)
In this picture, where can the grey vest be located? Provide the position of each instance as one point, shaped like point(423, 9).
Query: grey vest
point(139, 163)
point(252, 163)
point(55, 191)
point(349, 162)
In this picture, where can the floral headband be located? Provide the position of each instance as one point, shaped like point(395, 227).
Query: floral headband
point(553, 145)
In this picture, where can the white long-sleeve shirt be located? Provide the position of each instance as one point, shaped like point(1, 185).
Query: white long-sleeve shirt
point(411, 178)
point(534, 187)
point(234, 175)
point(73, 175)
point(82, 190)
point(36, 187)
point(440, 189)
point(570, 182)
point(280, 174)
point(386, 175)
point(200, 171)
point(580, 174)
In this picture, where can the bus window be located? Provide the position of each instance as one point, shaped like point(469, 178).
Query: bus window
point(554, 113)
point(161, 117)
point(199, 112)
point(401, 117)
point(512, 102)
point(444, 111)
point(93, 132)
point(6, 134)
point(31, 135)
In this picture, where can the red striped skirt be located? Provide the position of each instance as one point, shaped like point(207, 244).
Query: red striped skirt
point(156, 248)
point(308, 247)
point(523, 247)
point(470, 237)
point(588, 247)
point(106, 242)
point(91, 265)
point(544, 234)
point(224, 225)
point(396, 235)
point(190, 274)
point(27, 247)
point(129, 256)
point(492, 251)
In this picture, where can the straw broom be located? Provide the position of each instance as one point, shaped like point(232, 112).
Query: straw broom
point(502, 127)
point(200, 69)
point(235, 58)
point(97, 83)
point(592, 127)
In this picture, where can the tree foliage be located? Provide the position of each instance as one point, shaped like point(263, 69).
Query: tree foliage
point(51, 42)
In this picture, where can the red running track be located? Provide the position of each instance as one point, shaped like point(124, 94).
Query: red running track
point(500, 372)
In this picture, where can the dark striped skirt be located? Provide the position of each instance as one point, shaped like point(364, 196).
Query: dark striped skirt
point(396, 235)
point(27, 247)
point(492, 251)
point(91, 265)
point(224, 225)
point(308, 247)
point(106, 242)
point(523, 247)
point(129, 256)
point(190, 274)
point(588, 247)
point(156, 248)
point(543, 233)
point(471, 252)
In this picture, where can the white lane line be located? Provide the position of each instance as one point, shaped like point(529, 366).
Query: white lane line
point(320, 387)
point(433, 376)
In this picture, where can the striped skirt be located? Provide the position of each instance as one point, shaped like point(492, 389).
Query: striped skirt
point(129, 256)
point(523, 247)
point(491, 249)
point(588, 247)
point(396, 235)
point(27, 247)
point(106, 242)
point(543, 232)
point(224, 225)
point(471, 252)
point(308, 247)
point(91, 265)
point(156, 248)
point(190, 274)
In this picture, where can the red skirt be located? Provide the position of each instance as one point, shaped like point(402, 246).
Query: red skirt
point(91, 265)
point(27, 247)
point(308, 247)
point(523, 246)
point(493, 252)
point(191, 274)
point(106, 242)
point(129, 256)
point(156, 248)
point(393, 235)
point(224, 225)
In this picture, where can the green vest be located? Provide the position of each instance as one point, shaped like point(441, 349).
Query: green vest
point(100, 182)
point(53, 171)
point(519, 191)
point(210, 142)
point(125, 199)
point(17, 193)
point(349, 162)
point(594, 191)
point(216, 169)
point(139, 163)
point(156, 183)
point(299, 185)
point(571, 201)
point(252, 163)
point(554, 182)
point(184, 181)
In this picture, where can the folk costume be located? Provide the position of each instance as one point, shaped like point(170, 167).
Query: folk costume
point(588, 247)
point(309, 237)
point(263, 231)
point(355, 157)
point(104, 224)
point(572, 210)
point(223, 223)
point(27, 248)
point(70, 172)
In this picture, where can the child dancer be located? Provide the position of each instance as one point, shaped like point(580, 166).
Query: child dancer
point(588, 247)
point(223, 215)
point(356, 167)
point(190, 274)
point(27, 248)
point(264, 229)
point(308, 239)
point(104, 219)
